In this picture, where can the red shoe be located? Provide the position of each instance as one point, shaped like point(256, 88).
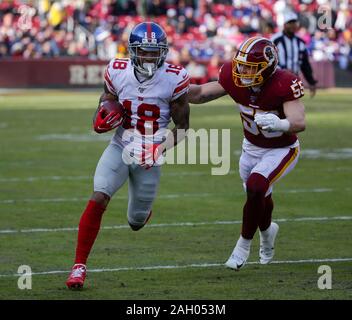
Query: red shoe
point(77, 276)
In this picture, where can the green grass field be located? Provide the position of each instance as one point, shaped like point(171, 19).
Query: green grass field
point(47, 160)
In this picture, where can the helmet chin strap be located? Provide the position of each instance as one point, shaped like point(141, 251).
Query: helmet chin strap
point(256, 88)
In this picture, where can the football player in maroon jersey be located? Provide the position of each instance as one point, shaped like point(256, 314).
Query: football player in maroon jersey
point(272, 113)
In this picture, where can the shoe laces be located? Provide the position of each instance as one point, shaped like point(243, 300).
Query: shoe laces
point(239, 255)
point(78, 272)
point(266, 248)
point(239, 260)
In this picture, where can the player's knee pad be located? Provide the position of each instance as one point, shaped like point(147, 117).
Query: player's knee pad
point(257, 185)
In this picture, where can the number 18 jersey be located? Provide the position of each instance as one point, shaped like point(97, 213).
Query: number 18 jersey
point(147, 104)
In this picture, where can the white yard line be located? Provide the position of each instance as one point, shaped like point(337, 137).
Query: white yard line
point(167, 174)
point(77, 199)
point(171, 195)
point(343, 153)
point(64, 178)
point(327, 154)
point(176, 224)
point(187, 266)
point(45, 178)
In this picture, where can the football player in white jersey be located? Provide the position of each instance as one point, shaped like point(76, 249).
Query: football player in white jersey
point(152, 93)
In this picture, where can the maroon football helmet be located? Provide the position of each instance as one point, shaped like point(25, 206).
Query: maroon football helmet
point(255, 61)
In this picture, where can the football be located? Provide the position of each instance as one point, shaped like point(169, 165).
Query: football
point(109, 106)
point(109, 115)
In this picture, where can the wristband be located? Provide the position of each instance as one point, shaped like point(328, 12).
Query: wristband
point(284, 125)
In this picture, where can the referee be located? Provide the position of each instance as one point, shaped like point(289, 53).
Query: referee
point(293, 54)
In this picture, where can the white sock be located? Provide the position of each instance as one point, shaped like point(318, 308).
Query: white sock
point(266, 233)
point(244, 243)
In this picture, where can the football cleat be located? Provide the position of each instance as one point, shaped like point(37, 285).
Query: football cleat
point(238, 258)
point(266, 250)
point(77, 276)
point(137, 227)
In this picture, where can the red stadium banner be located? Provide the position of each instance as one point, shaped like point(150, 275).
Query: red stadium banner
point(324, 72)
point(51, 73)
point(85, 73)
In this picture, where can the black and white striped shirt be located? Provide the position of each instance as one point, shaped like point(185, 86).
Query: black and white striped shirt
point(293, 55)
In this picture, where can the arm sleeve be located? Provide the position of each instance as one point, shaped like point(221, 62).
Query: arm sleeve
point(225, 74)
point(108, 78)
point(292, 88)
point(181, 85)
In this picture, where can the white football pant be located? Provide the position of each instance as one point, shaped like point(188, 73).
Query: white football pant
point(110, 175)
point(273, 163)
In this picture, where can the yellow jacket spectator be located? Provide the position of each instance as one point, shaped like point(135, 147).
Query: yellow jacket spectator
point(56, 14)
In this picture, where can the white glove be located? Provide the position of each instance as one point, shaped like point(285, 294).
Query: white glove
point(271, 122)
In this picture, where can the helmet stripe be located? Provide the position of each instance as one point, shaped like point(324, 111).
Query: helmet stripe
point(246, 44)
point(243, 48)
point(249, 43)
point(149, 30)
point(256, 40)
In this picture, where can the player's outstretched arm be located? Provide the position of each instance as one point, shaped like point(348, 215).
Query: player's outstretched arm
point(206, 92)
point(294, 111)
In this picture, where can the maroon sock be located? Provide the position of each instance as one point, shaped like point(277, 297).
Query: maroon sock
point(88, 229)
point(265, 219)
point(257, 185)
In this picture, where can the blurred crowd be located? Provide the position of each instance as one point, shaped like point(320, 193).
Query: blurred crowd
point(198, 31)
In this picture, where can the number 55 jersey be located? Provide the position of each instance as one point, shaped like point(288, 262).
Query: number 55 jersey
point(147, 104)
point(282, 86)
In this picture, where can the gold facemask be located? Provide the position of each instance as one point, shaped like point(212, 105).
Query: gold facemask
point(253, 75)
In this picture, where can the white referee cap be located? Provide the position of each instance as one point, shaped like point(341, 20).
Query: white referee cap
point(290, 16)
